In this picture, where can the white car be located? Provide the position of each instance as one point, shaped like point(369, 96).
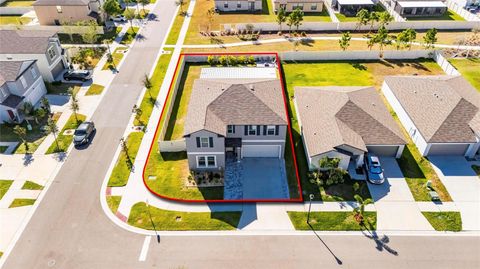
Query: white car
point(118, 18)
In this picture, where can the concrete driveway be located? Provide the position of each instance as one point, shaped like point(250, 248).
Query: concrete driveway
point(463, 185)
point(396, 207)
point(256, 178)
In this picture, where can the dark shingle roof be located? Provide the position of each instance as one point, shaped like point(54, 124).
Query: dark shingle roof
point(445, 109)
point(28, 42)
point(12, 101)
point(10, 70)
point(216, 103)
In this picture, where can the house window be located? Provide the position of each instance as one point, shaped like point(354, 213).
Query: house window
point(230, 129)
point(206, 161)
point(239, 4)
point(204, 143)
point(299, 6)
point(271, 130)
point(34, 73)
point(59, 9)
point(225, 4)
point(52, 53)
point(23, 81)
point(252, 130)
point(313, 7)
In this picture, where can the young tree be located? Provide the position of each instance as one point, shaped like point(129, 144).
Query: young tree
point(147, 83)
point(373, 18)
point(124, 146)
point(90, 34)
point(21, 132)
point(384, 18)
point(180, 3)
point(361, 208)
point(45, 104)
point(39, 114)
point(290, 22)
point(111, 7)
point(382, 39)
point(430, 38)
point(344, 42)
point(363, 16)
point(144, 2)
point(281, 18)
point(68, 28)
point(52, 128)
point(298, 17)
point(405, 38)
point(210, 18)
point(130, 16)
point(74, 104)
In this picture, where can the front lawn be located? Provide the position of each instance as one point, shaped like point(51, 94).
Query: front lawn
point(63, 140)
point(332, 221)
point(117, 56)
point(108, 36)
point(95, 89)
point(113, 203)
point(129, 35)
point(34, 137)
point(176, 27)
point(470, 70)
point(30, 185)
point(121, 171)
point(335, 73)
point(165, 220)
point(60, 88)
point(4, 186)
point(444, 221)
point(13, 19)
point(450, 15)
point(345, 192)
point(21, 202)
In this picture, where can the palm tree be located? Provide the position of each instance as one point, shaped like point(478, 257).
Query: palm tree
point(382, 39)
point(147, 83)
point(39, 114)
point(281, 18)
point(52, 128)
point(361, 208)
point(45, 104)
point(21, 132)
point(180, 3)
point(363, 17)
point(298, 16)
point(130, 16)
point(144, 2)
point(344, 42)
point(74, 104)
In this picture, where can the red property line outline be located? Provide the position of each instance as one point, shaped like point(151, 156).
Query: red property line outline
point(181, 58)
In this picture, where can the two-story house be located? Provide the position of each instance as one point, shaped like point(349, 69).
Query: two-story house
point(20, 82)
point(56, 12)
point(234, 118)
point(42, 46)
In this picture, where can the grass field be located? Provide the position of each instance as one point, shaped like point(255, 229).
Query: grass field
point(332, 221)
point(95, 89)
point(117, 56)
point(444, 221)
point(470, 70)
point(176, 26)
point(4, 186)
point(121, 171)
point(164, 220)
point(14, 20)
point(129, 35)
point(113, 203)
point(21, 202)
point(30, 185)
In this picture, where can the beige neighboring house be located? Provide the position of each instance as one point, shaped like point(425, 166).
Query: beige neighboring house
point(54, 12)
point(42, 46)
point(238, 5)
point(304, 5)
point(345, 123)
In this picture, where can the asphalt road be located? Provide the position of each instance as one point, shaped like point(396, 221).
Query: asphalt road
point(69, 229)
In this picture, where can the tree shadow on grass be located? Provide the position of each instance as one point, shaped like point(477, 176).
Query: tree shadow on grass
point(359, 66)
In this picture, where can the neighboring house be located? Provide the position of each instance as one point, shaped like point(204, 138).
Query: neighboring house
point(240, 5)
point(42, 46)
point(351, 7)
point(345, 123)
point(412, 8)
point(20, 82)
point(55, 12)
point(304, 5)
point(235, 117)
point(440, 113)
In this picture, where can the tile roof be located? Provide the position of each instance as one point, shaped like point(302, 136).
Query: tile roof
point(24, 42)
point(61, 3)
point(445, 109)
point(10, 70)
point(216, 103)
point(332, 116)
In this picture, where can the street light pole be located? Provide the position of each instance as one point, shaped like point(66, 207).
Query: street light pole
point(151, 220)
point(311, 196)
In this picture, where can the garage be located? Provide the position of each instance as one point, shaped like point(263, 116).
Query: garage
point(265, 151)
point(384, 151)
point(447, 149)
point(58, 69)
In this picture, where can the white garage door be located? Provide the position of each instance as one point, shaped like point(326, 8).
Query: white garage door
point(448, 149)
point(386, 151)
point(261, 151)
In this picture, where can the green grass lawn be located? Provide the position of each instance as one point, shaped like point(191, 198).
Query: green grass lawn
point(129, 35)
point(121, 171)
point(21, 202)
point(335, 73)
point(107, 36)
point(470, 70)
point(4, 186)
point(13, 19)
point(332, 221)
point(164, 220)
point(17, 3)
point(64, 141)
point(117, 57)
point(450, 15)
point(113, 203)
point(176, 27)
point(3, 149)
point(476, 168)
point(62, 88)
point(345, 192)
point(444, 221)
point(95, 89)
point(157, 79)
point(343, 18)
point(34, 137)
point(30, 185)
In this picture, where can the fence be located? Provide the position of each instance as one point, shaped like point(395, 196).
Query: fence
point(353, 55)
point(14, 10)
point(392, 11)
point(445, 65)
point(172, 146)
point(461, 11)
point(58, 29)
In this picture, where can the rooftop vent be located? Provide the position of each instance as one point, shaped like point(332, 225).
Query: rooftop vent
point(252, 88)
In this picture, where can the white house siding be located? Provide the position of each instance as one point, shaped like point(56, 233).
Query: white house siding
point(232, 6)
point(407, 123)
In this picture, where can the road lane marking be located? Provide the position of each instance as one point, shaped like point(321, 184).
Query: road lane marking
point(146, 245)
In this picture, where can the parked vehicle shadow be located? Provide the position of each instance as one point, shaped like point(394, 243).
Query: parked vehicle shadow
point(381, 243)
point(86, 145)
point(326, 246)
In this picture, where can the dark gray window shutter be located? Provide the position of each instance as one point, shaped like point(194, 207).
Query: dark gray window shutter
point(198, 142)
point(258, 129)
point(233, 126)
point(264, 129)
point(276, 129)
point(210, 141)
point(246, 129)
